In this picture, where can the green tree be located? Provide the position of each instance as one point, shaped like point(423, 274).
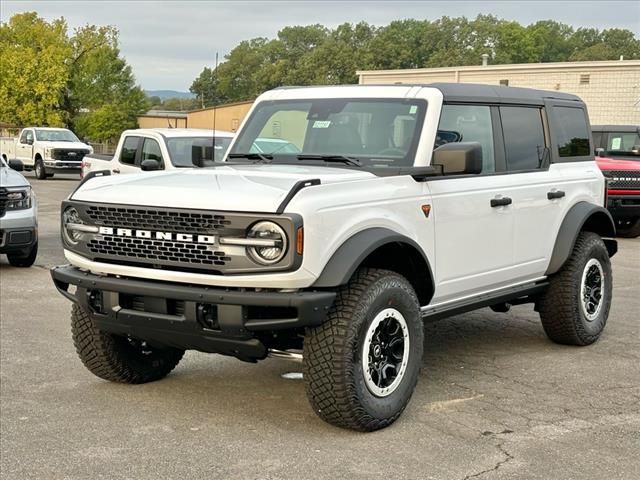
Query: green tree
point(33, 55)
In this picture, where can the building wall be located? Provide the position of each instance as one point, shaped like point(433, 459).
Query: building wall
point(610, 89)
point(161, 122)
point(227, 117)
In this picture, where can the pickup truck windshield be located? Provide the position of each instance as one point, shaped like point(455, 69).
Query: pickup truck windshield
point(198, 151)
point(58, 135)
point(351, 131)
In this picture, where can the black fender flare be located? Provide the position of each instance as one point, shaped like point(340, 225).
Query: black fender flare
point(350, 255)
point(596, 218)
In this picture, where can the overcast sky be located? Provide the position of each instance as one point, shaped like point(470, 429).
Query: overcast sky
point(168, 43)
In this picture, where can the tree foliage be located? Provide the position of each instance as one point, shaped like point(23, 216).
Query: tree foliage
point(80, 80)
point(316, 55)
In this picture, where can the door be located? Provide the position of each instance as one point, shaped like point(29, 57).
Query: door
point(24, 147)
point(474, 236)
point(128, 159)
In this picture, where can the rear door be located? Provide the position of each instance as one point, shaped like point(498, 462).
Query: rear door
point(474, 240)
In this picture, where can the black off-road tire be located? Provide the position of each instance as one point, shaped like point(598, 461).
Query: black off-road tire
point(39, 170)
point(561, 307)
point(333, 371)
point(117, 358)
point(628, 228)
point(19, 260)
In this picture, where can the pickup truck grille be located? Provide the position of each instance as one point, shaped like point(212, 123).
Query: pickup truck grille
point(68, 155)
point(3, 201)
point(153, 219)
point(623, 179)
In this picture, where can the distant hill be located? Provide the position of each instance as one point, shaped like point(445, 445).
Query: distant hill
point(164, 94)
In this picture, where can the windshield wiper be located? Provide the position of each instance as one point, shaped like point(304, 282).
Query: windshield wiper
point(252, 156)
point(332, 158)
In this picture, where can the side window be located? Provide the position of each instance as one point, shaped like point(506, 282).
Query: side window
point(597, 140)
point(151, 150)
point(26, 136)
point(523, 137)
point(573, 135)
point(468, 123)
point(129, 149)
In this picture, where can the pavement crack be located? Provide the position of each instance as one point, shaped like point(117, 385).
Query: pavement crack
point(507, 457)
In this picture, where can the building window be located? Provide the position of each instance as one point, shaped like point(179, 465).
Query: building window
point(585, 78)
point(504, 82)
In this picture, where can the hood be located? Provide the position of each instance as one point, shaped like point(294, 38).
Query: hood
point(11, 178)
point(606, 163)
point(65, 145)
point(239, 188)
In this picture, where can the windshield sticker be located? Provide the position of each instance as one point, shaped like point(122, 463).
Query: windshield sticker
point(321, 124)
point(413, 109)
point(615, 143)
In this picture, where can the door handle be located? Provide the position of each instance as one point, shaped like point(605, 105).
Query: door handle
point(116, 170)
point(501, 202)
point(555, 194)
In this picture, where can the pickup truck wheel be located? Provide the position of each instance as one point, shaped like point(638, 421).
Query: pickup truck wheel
point(21, 260)
point(575, 308)
point(40, 171)
point(628, 228)
point(361, 366)
point(117, 358)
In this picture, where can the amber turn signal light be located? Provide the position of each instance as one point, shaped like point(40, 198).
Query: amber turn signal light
point(426, 209)
point(300, 241)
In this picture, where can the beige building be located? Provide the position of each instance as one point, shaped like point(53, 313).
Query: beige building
point(163, 119)
point(227, 117)
point(611, 89)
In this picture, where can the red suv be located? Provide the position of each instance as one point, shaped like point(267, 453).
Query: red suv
point(618, 156)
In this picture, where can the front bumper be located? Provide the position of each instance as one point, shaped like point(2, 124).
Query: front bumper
point(171, 314)
point(61, 166)
point(18, 231)
point(624, 206)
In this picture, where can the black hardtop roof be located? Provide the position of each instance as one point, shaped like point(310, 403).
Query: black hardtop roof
point(473, 92)
point(615, 128)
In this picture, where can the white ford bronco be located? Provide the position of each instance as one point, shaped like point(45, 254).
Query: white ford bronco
point(398, 203)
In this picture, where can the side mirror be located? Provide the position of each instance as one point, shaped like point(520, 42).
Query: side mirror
point(16, 165)
point(29, 141)
point(635, 149)
point(599, 152)
point(458, 158)
point(149, 165)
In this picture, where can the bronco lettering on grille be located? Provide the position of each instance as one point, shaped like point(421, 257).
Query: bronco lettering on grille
point(180, 237)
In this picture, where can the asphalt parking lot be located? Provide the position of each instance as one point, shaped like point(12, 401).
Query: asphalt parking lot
point(496, 399)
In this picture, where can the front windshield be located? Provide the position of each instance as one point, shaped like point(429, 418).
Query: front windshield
point(197, 151)
point(58, 135)
point(621, 142)
point(370, 132)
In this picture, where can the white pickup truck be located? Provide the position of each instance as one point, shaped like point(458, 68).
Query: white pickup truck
point(46, 151)
point(161, 149)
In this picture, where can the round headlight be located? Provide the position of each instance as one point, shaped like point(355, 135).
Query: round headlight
point(275, 241)
point(71, 217)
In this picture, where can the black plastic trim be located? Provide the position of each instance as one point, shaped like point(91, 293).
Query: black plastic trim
point(350, 255)
point(571, 226)
point(294, 190)
point(524, 294)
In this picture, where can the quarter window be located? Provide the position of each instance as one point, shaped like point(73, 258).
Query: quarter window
point(468, 123)
point(523, 137)
point(129, 149)
point(572, 131)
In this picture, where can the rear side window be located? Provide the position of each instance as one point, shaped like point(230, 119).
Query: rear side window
point(129, 149)
point(572, 132)
point(468, 123)
point(523, 137)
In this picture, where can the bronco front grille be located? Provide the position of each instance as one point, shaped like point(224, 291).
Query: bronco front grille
point(153, 219)
point(623, 179)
